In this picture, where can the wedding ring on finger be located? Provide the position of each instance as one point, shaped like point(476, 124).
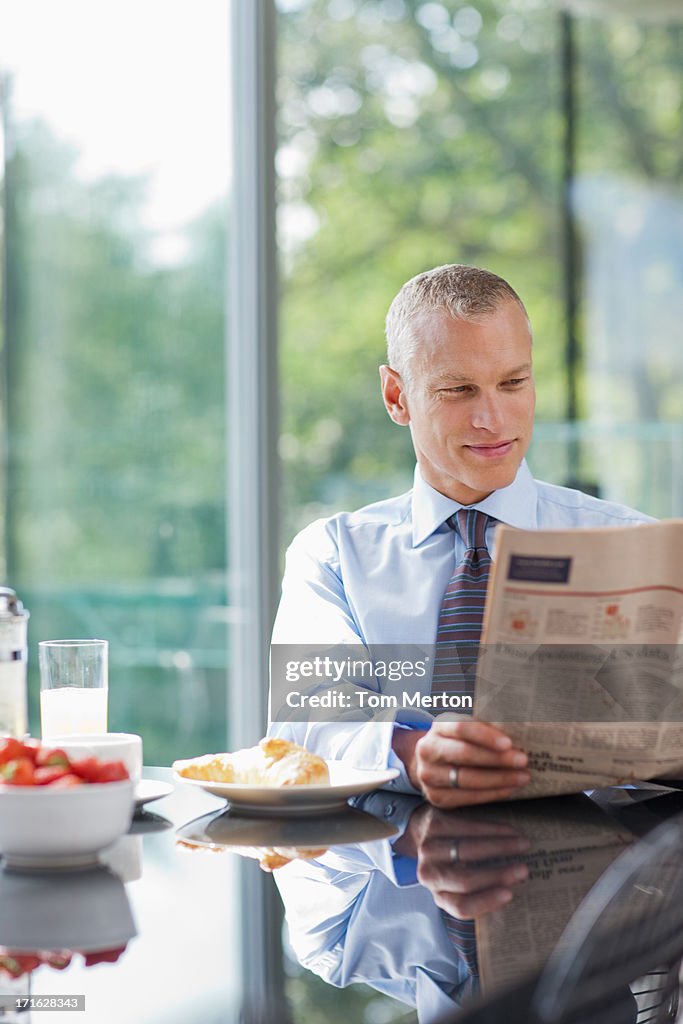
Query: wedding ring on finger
point(453, 777)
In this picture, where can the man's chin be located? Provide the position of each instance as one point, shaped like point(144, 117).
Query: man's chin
point(493, 480)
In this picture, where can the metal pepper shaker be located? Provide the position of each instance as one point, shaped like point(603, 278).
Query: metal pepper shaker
point(13, 659)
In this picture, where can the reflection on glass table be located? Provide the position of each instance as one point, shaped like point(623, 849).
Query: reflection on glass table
point(397, 915)
point(162, 930)
point(148, 936)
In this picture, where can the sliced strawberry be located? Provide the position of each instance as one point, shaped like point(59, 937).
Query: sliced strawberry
point(109, 956)
point(31, 749)
point(46, 757)
point(18, 773)
point(87, 768)
point(112, 771)
point(66, 781)
point(57, 960)
point(10, 750)
point(48, 774)
point(17, 964)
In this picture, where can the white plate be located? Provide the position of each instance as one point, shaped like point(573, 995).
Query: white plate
point(345, 782)
point(147, 790)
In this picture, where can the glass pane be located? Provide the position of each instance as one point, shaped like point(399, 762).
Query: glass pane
point(116, 172)
point(628, 200)
point(412, 134)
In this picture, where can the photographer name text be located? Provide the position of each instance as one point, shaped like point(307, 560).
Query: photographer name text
point(364, 699)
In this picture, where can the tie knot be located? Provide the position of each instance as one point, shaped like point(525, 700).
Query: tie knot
point(471, 525)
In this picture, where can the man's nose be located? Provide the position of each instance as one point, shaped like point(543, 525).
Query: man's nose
point(488, 413)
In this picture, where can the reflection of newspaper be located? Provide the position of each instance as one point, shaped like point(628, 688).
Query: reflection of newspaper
point(581, 653)
point(569, 852)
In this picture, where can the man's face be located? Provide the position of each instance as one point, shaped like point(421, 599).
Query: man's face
point(470, 401)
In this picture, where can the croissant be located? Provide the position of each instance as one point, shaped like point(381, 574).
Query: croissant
point(271, 858)
point(273, 762)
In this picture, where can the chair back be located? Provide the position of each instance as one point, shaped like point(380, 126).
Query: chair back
point(629, 927)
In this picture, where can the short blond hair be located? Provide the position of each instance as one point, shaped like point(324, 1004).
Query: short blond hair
point(461, 291)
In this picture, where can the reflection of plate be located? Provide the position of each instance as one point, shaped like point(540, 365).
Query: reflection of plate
point(227, 829)
point(151, 789)
point(345, 782)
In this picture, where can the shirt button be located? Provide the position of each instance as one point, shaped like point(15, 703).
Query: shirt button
point(389, 810)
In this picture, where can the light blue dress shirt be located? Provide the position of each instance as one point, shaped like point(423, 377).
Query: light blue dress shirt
point(377, 576)
point(352, 918)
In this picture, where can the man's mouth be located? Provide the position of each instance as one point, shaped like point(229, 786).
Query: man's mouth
point(492, 451)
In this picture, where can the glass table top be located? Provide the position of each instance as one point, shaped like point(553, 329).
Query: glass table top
point(176, 926)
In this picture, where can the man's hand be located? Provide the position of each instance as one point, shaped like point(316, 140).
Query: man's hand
point(488, 766)
point(449, 850)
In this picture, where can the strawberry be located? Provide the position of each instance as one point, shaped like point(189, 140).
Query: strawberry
point(112, 771)
point(87, 768)
point(67, 781)
point(18, 773)
point(49, 773)
point(45, 757)
point(12, 749)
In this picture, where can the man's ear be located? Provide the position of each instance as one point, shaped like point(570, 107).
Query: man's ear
point(394, 395)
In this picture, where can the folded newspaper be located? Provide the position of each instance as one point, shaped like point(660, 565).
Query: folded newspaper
point(572, 843)
point(580, 661)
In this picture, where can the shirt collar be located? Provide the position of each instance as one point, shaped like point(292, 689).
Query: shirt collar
point(514, 505)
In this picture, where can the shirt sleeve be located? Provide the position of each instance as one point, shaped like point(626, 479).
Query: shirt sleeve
point(315, 615)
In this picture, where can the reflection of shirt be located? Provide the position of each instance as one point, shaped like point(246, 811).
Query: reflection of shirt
point(352, 918)
point(378, 575)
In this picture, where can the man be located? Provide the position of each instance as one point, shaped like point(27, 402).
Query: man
point(459, 376)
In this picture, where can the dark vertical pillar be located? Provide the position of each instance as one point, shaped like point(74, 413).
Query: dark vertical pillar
point(570, 244)
point(252, 389)
point(11, 285)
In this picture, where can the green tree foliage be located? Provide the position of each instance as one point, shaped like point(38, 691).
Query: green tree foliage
point(118, 426)
point(417, 134)
point(115, 494)
point(411, 134)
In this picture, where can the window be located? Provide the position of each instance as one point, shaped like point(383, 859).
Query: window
point(115, 192)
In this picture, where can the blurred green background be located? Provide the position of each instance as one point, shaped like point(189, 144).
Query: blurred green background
point(410, 134)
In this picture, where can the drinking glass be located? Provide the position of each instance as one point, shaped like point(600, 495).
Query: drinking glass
point(73, 687)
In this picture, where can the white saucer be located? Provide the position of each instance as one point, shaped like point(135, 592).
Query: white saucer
point(151, 789)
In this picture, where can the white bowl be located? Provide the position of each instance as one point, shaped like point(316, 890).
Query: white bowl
point(107, 746)
point(41, 826)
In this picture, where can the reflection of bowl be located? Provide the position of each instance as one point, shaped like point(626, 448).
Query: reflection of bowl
point(124, 858)
point(42, 825)
point(76, 910)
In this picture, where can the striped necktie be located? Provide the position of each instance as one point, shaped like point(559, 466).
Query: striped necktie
point(462, 934)
point(457, 647)
point(462, 610)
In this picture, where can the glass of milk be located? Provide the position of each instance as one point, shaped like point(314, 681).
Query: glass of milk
point(73, 687)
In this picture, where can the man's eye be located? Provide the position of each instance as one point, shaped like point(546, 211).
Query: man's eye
point(516, 380)
point(461, 390)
